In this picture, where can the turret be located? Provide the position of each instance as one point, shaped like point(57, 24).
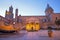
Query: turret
point(11, 9)
point(16, 15)
point(11, 12)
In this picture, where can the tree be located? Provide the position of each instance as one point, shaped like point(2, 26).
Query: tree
point(57, 22)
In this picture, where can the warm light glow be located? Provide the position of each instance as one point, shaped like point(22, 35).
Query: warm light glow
point(8, 13)
point(32, 26)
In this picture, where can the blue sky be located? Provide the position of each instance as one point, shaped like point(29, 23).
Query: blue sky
point(29, 7)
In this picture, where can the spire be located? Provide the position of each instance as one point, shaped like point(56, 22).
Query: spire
point(6, 11)
point(16, 15)
point(48, 5)
point(11, 9)
point(49, 8)
point(11, 5)
point(16, 12)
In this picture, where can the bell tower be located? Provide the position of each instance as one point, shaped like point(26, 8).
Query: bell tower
point(49, 11)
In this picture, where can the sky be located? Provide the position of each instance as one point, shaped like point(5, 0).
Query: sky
point(29, 7)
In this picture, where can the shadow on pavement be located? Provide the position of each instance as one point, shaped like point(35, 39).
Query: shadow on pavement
point(11, 35)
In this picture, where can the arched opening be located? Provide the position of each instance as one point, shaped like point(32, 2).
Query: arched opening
point(32, 24)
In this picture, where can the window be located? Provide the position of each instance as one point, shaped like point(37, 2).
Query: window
point(56, 18)
point(44, 20)
point(20, 20)
point(49, 17)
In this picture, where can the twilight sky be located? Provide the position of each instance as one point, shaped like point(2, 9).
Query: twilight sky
point(29, 7)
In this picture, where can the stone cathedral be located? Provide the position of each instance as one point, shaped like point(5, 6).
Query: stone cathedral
point(44, 21)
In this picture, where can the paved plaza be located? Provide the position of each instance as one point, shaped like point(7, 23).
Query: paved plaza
point(36, 35)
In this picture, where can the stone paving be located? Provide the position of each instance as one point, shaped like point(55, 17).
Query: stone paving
point(37, 35)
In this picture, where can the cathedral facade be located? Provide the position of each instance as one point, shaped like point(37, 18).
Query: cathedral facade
point(44, 21)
